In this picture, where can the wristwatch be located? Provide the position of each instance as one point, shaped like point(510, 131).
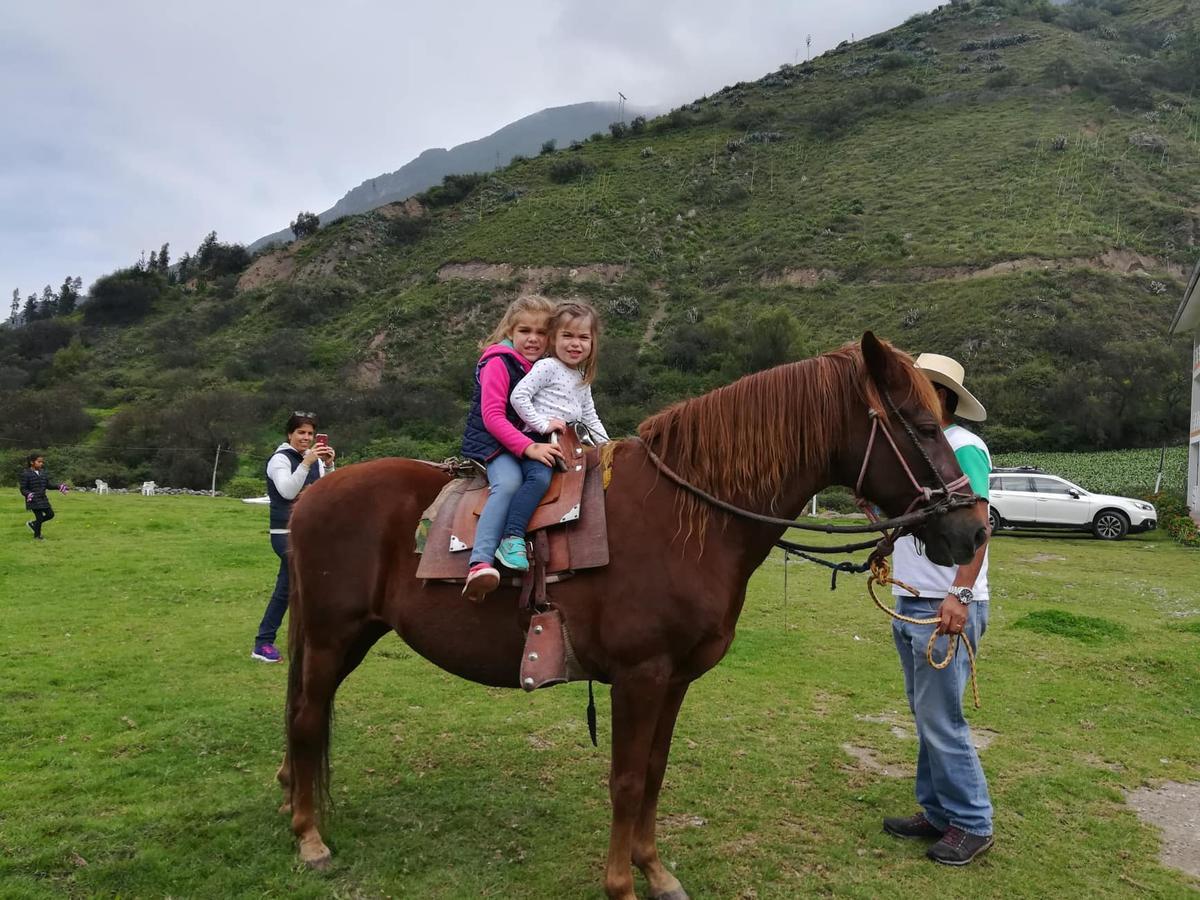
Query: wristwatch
point(964, 594)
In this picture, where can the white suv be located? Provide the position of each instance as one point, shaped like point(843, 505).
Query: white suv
point(1030, 498)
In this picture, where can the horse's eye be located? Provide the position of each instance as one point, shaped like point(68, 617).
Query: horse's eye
point(928, 431)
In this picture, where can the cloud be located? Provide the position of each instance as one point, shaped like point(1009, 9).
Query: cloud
point(137, 124)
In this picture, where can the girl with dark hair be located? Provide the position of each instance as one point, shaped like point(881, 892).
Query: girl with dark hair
point(33, 485)
point(295, 464)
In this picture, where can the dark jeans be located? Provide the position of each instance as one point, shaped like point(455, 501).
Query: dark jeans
point(278, 603)
point(40, 516)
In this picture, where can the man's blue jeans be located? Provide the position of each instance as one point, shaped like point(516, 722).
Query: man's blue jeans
point(951, 787)
point(516, 487)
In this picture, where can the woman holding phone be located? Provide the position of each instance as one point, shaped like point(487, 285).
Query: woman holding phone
point(296, 463)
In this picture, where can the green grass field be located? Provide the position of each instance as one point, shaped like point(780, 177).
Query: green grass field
point(138, 742)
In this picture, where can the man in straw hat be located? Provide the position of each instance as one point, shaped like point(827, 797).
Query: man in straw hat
point(956, 809)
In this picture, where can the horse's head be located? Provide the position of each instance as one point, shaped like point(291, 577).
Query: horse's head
point(904, 462)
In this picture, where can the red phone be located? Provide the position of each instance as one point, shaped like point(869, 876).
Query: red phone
point(322, 439)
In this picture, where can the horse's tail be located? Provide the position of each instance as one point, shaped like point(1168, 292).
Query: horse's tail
point(295, 691)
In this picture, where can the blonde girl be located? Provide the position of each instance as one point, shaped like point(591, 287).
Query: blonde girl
point(518, 467)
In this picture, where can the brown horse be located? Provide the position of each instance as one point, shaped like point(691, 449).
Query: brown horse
point(659, 616)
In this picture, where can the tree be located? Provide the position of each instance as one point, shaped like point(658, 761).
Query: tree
point(48, 305)
point(164, 258)
point(16, 307)
point(152, 266)
point(30, 312)
point(305, 224)
point(206, 249)
point(67, 297)
point(185, 267)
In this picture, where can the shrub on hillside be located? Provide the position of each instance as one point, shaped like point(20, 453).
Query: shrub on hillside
point(618, 130)
point(43, 418)
point(406, 230)
point(548, 147)
point(453, 188)
point(638, 124)
point(124, 297)
point(1081, 18)
point(892, 62)
point(570, 169)
point(42, 338)
point(309, 302)
point(1059, 72)
point(999, 80)
point(1118, 86)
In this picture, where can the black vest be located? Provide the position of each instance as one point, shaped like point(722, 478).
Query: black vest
point(281, 507)
point(478, 443)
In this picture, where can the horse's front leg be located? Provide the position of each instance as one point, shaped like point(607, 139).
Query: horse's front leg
point(637, 701)
point(663, 885)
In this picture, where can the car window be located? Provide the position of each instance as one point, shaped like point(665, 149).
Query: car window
point(1050, 486)
point(1011, 483)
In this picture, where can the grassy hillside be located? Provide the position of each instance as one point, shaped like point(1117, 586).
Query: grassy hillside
point(1010, 183)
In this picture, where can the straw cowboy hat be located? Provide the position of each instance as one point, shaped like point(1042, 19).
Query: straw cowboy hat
point(949, 374)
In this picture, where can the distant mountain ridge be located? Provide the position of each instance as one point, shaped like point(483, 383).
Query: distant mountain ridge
point(524, 136)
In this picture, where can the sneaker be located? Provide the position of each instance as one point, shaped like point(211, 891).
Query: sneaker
point(911, 827)
point(482, 578)
point(512, 555)
point(265, 653)
point(29, 525)
point(958, 847)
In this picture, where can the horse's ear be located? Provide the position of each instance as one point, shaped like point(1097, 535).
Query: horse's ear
point(878, 358)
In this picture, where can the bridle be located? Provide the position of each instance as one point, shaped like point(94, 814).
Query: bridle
point(923, 494)
point(932, 501)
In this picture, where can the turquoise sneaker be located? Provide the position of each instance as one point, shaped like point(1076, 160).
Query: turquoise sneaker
point(511, 554)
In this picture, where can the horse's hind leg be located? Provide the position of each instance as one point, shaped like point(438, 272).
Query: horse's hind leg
point(324, 666)
point(663, 885)
point(358, 651)
point(308, 748)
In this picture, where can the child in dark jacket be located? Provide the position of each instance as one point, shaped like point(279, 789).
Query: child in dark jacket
point(518, 467)
point(33, 485)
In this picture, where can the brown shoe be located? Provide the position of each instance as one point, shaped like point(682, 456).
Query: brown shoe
point(958, 847)
point(911, 827)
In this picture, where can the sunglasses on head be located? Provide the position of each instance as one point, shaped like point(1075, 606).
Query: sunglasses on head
point(305, 415)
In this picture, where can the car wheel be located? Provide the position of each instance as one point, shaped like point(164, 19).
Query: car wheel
point(994, 520)
point(1110, 525)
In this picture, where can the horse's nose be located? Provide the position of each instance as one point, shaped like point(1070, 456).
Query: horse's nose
point(981, 536)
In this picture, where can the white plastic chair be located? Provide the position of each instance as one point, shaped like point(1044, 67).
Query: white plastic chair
point(148, 488)
point(101, 486)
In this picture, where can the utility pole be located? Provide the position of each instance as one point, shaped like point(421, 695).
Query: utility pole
point(808, 47)
point(216, 459)
point(621, 107)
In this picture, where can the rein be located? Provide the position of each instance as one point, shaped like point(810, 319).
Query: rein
point(939, 500)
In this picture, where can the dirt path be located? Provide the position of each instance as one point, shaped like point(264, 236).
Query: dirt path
point(1175, 808)
point(533, 276)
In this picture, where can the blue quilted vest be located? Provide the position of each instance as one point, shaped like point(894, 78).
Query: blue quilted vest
point(281, 507)
point(477, 442)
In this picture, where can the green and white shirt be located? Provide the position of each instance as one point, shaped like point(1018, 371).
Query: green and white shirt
point(910, 563)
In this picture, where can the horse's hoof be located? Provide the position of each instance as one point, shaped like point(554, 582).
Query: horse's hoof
point(677, 894)
point(286, 809)
point(317, 857)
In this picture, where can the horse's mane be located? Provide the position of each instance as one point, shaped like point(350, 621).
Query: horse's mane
point(742, 440)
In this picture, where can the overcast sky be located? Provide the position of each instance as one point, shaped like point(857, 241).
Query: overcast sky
point(127, 124)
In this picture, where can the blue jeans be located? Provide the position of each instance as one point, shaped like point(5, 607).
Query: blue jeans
point(516, 487)
point(278, 603)
point(950, 787)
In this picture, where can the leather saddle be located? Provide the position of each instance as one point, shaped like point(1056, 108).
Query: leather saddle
point(571, 514)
